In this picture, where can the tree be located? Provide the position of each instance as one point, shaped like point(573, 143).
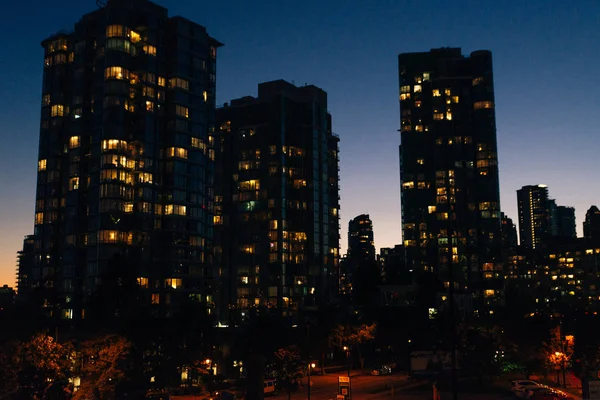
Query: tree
point(558, 349)
point(9, 383)
point(104, 363)
point(355, 337)
point(481, 348)
point(289, 366)
point(43, 368)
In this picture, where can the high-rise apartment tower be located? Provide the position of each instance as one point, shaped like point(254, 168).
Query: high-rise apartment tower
point(125, 169)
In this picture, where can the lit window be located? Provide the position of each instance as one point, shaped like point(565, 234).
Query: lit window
point(417, 88)
point(449, 115)
point(438, 116)
point(116, 73)
point(142, 282)
point(73, 142)
point(421, 161)
point(42, 165)
point(179, 83)
point(217, 220)
point(182, 111)
point(426, 76)
point(114, 144)
point(431, 209)
point(483, 104)
point(418, 103)
point(74, 183)
point(161, 81)
point(448, 92)
point(116, 30)
point(39, 218)
point(419, 128)
point(149, 105)
point(404, 96)
point(177, 152)
point(57, 110)
point(405, 89)
point(134, 36)
point(436, 93)
point(205, 96)
point(477, 81)
point(174, 283)
point(455, 99)
point(46, 100)
point(150, 50)
point(198, 143)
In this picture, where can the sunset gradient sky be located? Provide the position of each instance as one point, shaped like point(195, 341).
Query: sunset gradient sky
point(547, 81)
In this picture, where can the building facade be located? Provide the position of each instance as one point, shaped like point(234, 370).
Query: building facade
point(566, 226)
point(277, 208)
point(535, 220)
point(449, 169)
point(125, 170)
point(591, 225)
point(361, 246)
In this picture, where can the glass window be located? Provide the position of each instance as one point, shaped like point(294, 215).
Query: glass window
point(182, 111)
point(116, 72)
point(57, 110)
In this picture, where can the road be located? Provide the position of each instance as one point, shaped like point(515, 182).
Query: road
point(374, 387)
point(362, 387)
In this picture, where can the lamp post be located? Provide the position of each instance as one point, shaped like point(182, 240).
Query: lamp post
point(564, 355)
point(347, 350)
point(310, 366)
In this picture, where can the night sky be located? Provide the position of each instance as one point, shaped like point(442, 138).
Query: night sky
point(547, 81)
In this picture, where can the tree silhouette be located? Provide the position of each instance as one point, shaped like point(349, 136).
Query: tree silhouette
point(354, 337)
point(42, 368)
point(289, 366)
point(104, 365)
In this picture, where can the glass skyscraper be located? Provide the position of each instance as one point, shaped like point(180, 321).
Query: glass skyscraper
point(125, 170)
point(449, 169)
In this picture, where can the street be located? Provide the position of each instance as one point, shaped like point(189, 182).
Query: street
point(380, 387)
point(363, 387)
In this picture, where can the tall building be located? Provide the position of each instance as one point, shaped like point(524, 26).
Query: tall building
point(535, 221)
point(125, 168)
point(449, 168)
point(565, 222)
point(361, 247)
point(392, 261)
point(509, 234)
point(277, 204)
point(25, 265)
point(591, 225)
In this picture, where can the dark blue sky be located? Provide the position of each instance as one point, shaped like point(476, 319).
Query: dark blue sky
point(547, 78)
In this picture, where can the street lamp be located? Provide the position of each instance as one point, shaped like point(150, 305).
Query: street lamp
point(347, 350)
point(310, 366)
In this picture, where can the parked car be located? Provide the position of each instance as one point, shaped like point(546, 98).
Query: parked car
point(519, 388)
point(271, 388)
point(383, 370)
point(544, 393)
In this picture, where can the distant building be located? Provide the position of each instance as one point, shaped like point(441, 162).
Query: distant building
point(565, 222)
point(535, 222)
point(361, 247)
point(509, 234)
point(394, 269)
point(591, 225)
point(449, 169)
point(277, 200)
point(125, 167)
point(7, 297)
point(25, 265)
